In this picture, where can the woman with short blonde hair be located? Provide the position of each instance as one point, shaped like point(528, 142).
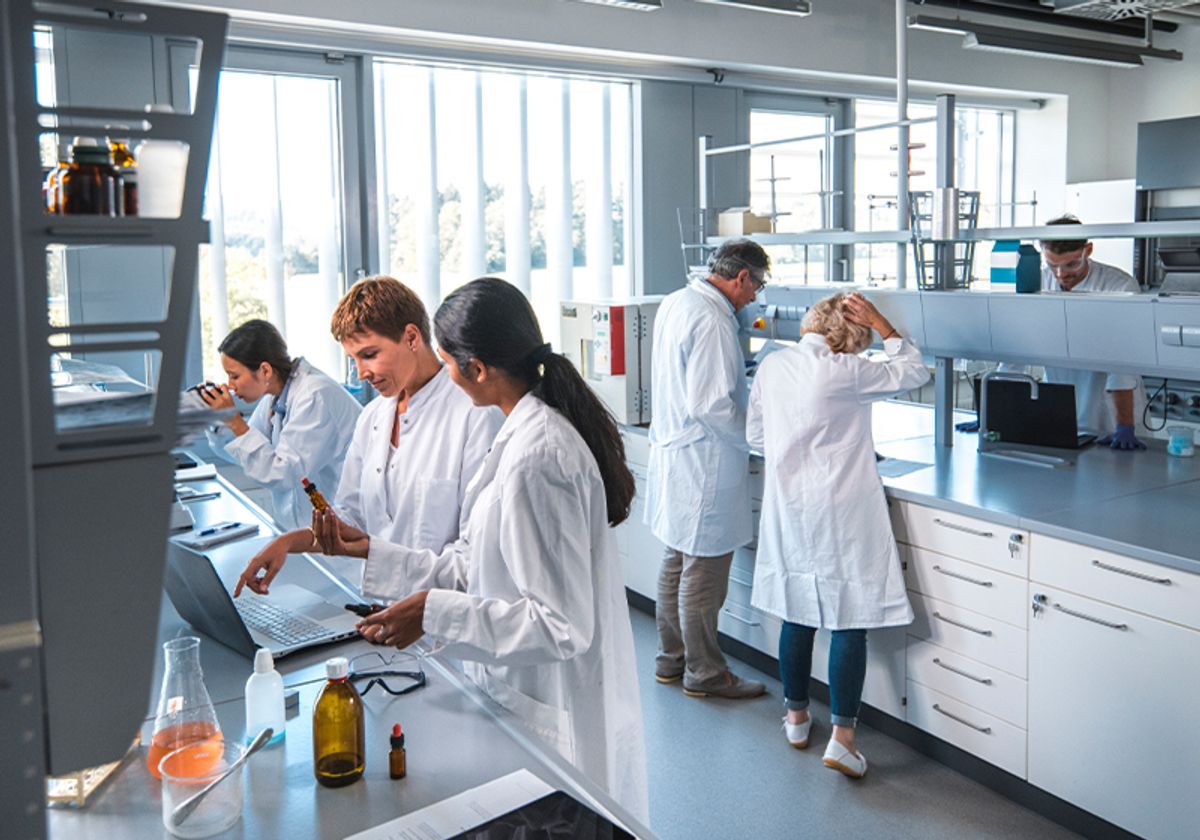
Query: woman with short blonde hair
point(826, 555)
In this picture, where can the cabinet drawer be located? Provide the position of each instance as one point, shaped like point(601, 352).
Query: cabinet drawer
point(1158, 591)
point(740, 621)
point(985, 687)
point(964, 537)
point(978, 588)
point(968, 728)
point(972, 634)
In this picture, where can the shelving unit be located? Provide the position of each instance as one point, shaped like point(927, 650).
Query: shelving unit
point(95, 500)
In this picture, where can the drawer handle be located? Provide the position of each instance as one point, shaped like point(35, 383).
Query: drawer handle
point(954, 526)
point(975, 581)
point(941, 617)
point(961, 673)
point(1090, 618)
point(986, 730)
point(737, 617)
point(1131, 573)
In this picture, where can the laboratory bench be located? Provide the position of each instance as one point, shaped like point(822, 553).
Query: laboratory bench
point(456, 737)
point(1057, 613)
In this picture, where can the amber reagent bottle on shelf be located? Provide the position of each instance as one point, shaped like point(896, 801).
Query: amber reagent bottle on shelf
point(338, 730)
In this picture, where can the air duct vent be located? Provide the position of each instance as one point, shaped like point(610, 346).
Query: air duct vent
point(1117, 9)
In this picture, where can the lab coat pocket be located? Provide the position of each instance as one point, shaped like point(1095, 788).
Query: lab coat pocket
point(438, 506)
point(550, 723)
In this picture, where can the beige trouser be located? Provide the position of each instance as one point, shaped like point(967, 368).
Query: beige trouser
point(691, 591)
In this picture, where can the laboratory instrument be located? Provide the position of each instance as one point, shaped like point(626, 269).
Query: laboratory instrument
point(185, 710)
point(190, 777)
point(338, 731)
point(182, 811)
point(264, 696)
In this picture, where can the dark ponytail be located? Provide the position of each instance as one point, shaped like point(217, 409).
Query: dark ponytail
point(490, 320)
point(255, 342)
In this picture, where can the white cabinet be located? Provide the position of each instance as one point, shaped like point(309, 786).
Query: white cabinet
point(966, 537)
point(1112, 713)
point(639, 550)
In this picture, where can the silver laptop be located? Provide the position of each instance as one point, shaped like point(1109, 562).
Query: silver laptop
point(290, 619)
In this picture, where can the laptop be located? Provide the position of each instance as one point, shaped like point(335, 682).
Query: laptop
point(291, 619)
point(1047, 421)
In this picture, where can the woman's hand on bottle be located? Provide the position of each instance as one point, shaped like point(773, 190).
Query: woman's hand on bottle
point(216, 397)
point(263, 567)
point(399, 625)
point(337, 538)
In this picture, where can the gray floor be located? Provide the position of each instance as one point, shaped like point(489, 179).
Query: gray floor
point(720, 768)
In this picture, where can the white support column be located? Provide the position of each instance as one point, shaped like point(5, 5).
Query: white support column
point(219, 312)
point(273, 236)
point(517, 199)
point(384, 210)
point(428, 204)
point(628, 207)
point(599, 239)
point(559, 252)
point(474, 236)
point(901, 139)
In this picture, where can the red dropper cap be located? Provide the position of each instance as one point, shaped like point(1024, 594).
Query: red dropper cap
point(306, 483)
point(397, 736)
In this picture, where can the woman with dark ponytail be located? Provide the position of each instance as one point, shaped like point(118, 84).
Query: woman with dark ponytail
point(531, 596)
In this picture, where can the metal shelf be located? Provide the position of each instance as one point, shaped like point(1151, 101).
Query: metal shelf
point(110, 230)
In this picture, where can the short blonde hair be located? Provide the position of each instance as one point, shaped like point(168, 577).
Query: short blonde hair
point(382, 305)
point(828, 318)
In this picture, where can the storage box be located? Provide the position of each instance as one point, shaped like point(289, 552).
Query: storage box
point(739, 221)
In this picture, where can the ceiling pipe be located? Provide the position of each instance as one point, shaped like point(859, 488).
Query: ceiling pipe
point(1031, 10)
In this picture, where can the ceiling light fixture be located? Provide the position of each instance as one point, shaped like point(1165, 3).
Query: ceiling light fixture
point(982, 36)
point(800, 8)
point(632, 5)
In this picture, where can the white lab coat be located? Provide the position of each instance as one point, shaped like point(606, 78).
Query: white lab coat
point(304, 433)
point(698, 480)
point(826, 556)
point(414, 497)
point(531, 595)
point(1093, 406)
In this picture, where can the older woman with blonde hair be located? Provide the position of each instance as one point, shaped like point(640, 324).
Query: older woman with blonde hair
point(826, 555)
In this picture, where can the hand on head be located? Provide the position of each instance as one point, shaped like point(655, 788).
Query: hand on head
point(859, 310)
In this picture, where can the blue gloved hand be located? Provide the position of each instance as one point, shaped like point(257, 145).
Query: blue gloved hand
point(1122, 438)
point(967, 426)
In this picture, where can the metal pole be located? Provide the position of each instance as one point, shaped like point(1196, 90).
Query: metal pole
point(901, 139)
point(943, 401)
point(702, 181)
point(945, 202)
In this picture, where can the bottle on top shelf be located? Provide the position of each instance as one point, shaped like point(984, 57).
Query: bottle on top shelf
point(91, 184)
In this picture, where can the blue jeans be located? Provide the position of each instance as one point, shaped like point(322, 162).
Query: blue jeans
point(847, 669)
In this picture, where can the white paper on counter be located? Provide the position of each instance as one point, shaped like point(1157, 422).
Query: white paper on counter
point(464, 811)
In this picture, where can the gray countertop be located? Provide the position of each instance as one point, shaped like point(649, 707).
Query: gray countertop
point(1141, 504)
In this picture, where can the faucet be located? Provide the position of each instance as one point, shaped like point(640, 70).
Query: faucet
point(1007, 375)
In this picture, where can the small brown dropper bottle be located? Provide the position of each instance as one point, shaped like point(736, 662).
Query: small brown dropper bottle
point(397, 760)
point(314, 495)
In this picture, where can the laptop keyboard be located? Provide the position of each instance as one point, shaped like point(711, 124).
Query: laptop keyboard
point(280, 625)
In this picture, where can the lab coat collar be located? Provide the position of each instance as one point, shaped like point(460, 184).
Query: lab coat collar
point(430, 389)
point(709, 290)
point(815, 340)
point(280, 405)
point(524, 410)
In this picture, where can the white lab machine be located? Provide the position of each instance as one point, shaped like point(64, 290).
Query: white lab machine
point(609, 343)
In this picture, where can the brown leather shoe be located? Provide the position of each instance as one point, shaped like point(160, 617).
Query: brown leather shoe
point(667, 679)
point(729, 685)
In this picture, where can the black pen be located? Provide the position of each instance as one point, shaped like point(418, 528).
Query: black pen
point(216, 529)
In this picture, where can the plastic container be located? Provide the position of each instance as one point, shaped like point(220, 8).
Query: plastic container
point(1029, 269)
point(186, 771)
point(185, 711)
point(1003, 275)
point(339, 743)
point(161, 165)
point(264, 698)
point(1181, 441)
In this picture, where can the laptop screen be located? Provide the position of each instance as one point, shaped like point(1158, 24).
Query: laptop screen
point(201, 599)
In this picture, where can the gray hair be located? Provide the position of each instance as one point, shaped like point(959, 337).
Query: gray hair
point(732, 256)
point(828, 318)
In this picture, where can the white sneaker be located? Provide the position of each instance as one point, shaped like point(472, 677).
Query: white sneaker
point(797, 733)
point(837, 757)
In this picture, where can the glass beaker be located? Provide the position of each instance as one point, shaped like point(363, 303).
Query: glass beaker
point(185, 711)
point(187, 771)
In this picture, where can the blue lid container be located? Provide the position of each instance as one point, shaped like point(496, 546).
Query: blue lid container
point(1029, 269)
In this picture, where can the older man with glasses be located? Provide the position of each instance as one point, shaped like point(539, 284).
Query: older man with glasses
point(698, 499)
point(1067, 266)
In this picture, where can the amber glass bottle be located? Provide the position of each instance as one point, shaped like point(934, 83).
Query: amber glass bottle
point(52, 187)
point(338, 730)
point(126, 165)
point(89, 185)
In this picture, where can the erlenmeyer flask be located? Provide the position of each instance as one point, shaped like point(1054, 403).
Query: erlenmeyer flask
point(185, 711)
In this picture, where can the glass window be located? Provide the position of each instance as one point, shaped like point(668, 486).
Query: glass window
point(984, 156)
point(517, 175)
